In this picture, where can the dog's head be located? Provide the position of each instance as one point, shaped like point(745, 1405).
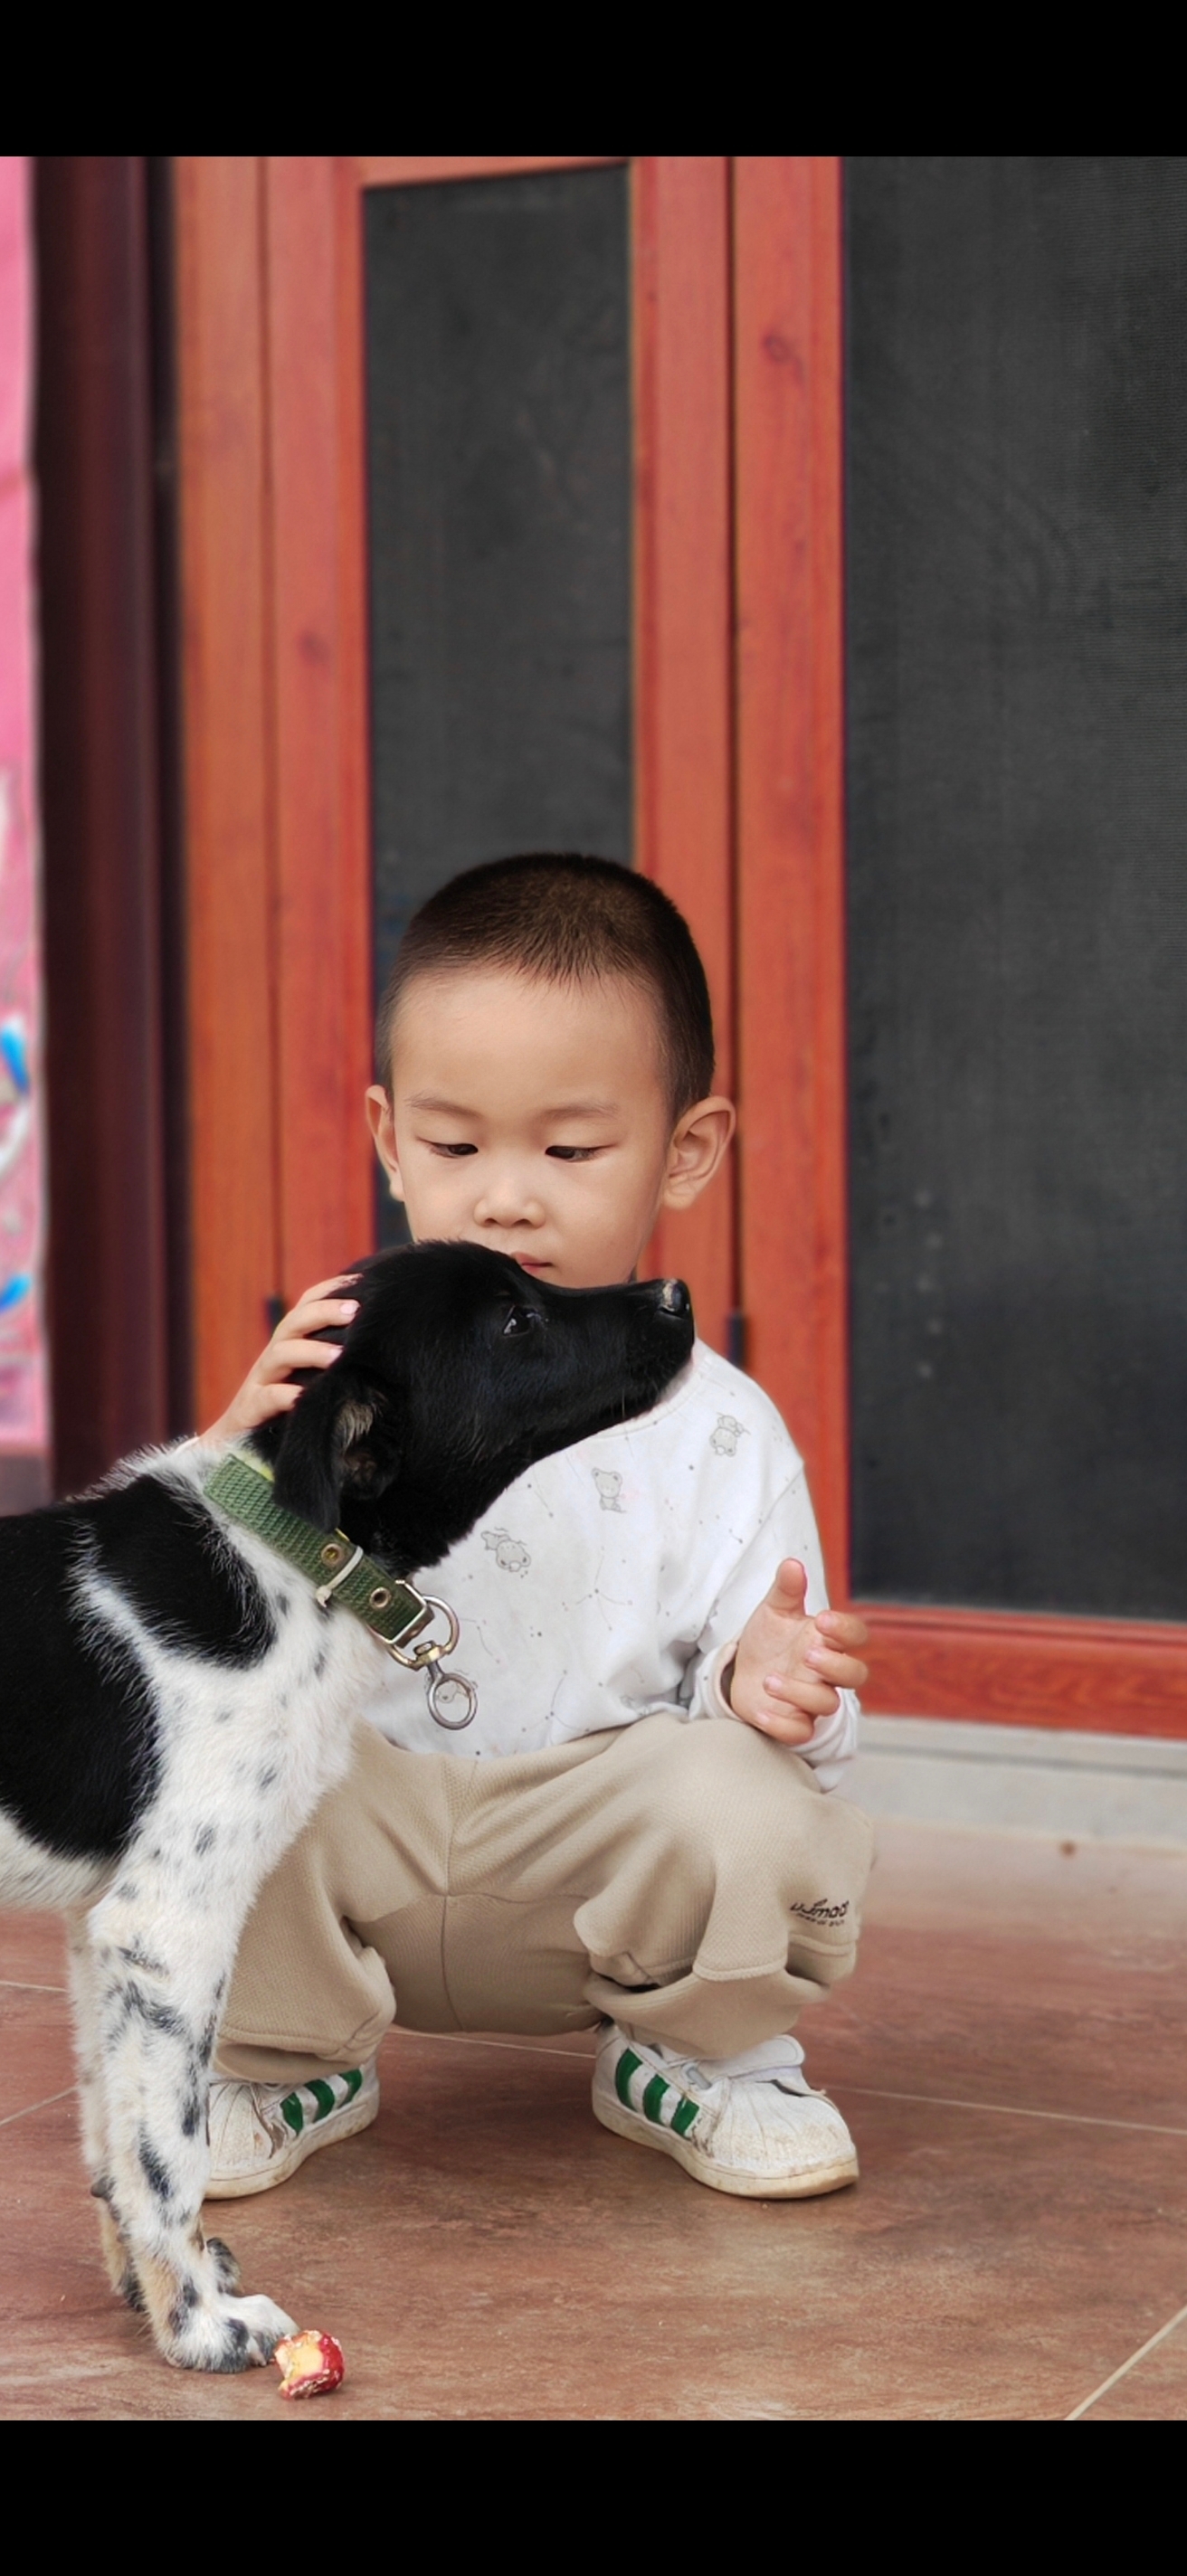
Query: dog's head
point(459, 1370)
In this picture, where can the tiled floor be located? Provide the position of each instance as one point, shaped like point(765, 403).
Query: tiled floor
point(1012, 2056)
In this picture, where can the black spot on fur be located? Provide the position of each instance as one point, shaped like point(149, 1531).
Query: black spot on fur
point(205, 1841)
point(157, 2015)
point(193, 2114)
point(233, 2355)
point(156, 2174)
point(183, 2306)
point(140, 1958)
point(265, 1779)
point(226, 2264)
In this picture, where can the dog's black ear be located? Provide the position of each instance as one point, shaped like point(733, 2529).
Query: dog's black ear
point(340, 1439)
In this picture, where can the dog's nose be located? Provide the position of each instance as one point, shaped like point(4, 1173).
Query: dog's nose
point(674, 1298)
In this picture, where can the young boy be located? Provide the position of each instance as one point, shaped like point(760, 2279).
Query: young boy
point(639, 1836)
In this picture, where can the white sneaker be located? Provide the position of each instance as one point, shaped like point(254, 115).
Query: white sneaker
point(259, 2133)
point(749, 2124)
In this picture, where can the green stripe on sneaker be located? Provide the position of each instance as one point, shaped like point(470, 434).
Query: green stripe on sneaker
point(353, 2082)
point(627, 2066)
point(685, 2117)
point(292, 2114)
point(323, 2095)
point(654, 2099)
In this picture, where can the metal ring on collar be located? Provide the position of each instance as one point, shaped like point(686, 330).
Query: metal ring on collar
point(444, 1692)
point(431, 1651)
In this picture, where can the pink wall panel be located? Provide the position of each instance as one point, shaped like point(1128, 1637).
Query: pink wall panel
point(23, 1393)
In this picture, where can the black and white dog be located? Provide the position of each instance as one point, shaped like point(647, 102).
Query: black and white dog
point(175, 1702)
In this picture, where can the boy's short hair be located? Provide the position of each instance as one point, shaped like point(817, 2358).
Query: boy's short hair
point(567, 919)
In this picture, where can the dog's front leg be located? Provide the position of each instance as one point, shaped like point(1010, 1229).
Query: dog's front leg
point(159, 1976)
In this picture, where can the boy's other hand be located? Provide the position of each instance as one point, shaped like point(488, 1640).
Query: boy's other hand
point(267, 1388)
point(789, 1668)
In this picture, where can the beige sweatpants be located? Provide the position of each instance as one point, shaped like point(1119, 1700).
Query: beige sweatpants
point(690, 1881)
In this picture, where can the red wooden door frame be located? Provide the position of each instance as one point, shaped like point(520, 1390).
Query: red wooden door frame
point(1103, 1675)
point(228, 763)
point(684, 714)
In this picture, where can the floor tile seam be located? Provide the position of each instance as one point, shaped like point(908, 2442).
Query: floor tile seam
point(28, 1986)
point(43, 2105)
point(1013, 2110)
point(1124, 2368)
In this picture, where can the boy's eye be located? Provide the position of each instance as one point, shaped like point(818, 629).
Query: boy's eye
point(572, 1153)
point(451, 1150)
point(522, 1319)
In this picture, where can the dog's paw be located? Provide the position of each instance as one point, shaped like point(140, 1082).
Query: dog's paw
point(229, 2335)
point(268, 2324)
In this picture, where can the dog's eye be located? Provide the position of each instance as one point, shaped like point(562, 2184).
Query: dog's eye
point(522, 1319)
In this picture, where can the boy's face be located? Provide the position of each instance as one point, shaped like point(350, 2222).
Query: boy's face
point(534, 1118)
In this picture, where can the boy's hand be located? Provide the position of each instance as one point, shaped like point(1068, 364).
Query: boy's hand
point(266, 1390)
point(788, 1668)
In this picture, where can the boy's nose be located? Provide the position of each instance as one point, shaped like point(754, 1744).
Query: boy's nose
point(504, 1201)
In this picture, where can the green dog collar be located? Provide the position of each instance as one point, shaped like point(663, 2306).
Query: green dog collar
point(396, 1613)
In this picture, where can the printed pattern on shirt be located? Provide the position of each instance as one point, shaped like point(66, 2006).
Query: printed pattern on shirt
point(510, 1554)
point(724, 1439)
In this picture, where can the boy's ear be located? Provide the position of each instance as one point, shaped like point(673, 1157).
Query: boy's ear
point(340, 1438)
point(698, 1149)
point(382, 1123)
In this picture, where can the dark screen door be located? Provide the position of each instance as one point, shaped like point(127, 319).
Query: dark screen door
point(498, 384)
point(1017, 797)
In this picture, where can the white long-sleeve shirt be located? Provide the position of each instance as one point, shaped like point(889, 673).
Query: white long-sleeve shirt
point(615, 1578)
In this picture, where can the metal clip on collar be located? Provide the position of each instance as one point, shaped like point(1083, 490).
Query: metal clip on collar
point(444, 1690)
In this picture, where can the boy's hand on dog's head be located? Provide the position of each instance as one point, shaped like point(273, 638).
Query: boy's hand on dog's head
point(268, 1389)
point(789, 1668)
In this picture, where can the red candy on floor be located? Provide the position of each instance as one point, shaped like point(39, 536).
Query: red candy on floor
point(311, 2364)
